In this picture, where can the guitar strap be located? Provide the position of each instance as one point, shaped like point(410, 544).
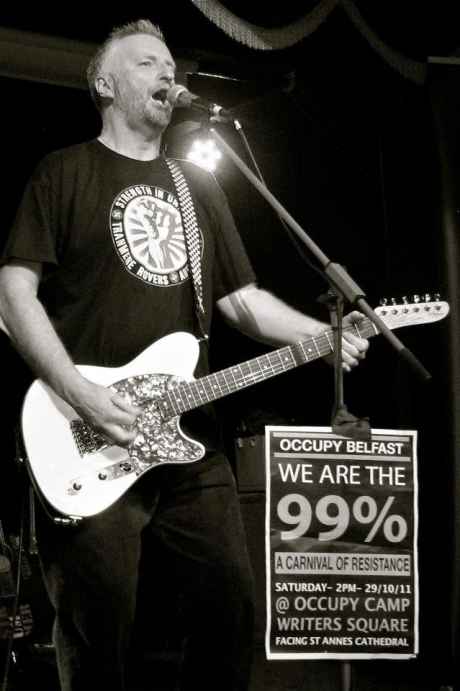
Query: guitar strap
point(192, 239)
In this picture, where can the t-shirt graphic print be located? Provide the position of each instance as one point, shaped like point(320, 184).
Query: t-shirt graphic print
point(148, 235)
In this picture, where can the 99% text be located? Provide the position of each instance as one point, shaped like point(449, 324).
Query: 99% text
point(333, 511)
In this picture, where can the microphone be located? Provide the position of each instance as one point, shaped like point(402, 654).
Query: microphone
point(180, 97)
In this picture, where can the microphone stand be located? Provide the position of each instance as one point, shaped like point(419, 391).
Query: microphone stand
point(335, 274)
point(342, 287)
point(342, 421)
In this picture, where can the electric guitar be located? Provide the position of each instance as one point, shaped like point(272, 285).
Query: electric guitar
point(79, 474)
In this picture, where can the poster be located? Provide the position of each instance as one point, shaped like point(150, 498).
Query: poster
point(341, 544)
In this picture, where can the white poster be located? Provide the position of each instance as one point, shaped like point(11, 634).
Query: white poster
point(341, 544)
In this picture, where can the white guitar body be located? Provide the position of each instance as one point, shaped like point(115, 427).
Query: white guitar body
point(80, 483)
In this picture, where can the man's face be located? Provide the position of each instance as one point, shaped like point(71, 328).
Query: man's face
point(142, 70)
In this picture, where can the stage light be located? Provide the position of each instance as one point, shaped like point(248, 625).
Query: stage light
point(204, 153)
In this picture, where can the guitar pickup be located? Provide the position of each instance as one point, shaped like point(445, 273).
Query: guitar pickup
point(86, 438)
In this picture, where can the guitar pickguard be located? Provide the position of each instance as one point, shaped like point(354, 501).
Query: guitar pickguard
point(157, 440)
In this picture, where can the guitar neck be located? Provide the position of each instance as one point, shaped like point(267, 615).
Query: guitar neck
point(190, 395)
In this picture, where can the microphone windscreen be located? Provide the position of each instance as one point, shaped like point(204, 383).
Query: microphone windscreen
point(178, 95)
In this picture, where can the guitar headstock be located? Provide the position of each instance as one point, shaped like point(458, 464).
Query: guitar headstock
point(421, 310)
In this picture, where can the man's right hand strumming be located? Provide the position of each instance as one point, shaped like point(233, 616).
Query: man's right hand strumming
point(108, 412)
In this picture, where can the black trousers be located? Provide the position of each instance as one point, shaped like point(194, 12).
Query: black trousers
point(167, 562)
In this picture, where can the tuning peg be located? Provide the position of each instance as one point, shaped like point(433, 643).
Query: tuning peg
point(437, 297)
point(416, 298)
point(405, 302)
point(383, 302)
point(427, 297)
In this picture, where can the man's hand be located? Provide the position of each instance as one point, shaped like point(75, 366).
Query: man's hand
point(354, 348)
point(107, 411)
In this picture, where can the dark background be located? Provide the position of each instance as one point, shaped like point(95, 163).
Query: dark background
point(364, 154)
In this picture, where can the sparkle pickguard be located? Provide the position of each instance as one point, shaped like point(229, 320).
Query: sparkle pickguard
point(157, 440)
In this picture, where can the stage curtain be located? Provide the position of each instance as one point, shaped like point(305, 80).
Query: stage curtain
point(444, 86)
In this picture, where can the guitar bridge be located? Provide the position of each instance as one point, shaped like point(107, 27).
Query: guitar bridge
point(86, 438)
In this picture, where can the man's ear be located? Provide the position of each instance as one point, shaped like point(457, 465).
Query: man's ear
point(104, 86)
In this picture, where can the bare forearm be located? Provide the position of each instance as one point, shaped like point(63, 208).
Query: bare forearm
point(33, 335)
point(264, 317)
point(35, 338)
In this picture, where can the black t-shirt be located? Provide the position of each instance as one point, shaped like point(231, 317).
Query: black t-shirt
point(109, 233)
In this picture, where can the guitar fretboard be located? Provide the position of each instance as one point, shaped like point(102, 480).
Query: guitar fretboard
point(189, 395)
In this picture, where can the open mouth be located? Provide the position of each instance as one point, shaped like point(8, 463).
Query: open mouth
point(161, 96)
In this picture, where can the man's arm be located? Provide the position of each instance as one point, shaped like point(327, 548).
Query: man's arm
point(266, 318)
point(32, 333)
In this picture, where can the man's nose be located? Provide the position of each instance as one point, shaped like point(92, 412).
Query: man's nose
point(168, 75)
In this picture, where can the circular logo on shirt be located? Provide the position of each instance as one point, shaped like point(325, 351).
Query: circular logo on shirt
point(147, 232)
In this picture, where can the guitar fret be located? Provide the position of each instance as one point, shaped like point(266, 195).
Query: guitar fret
point(305, 352)
point(216, 385)
point(233, 376)
point(259, 372)
point(245, 371)
point(287, 359)
point(201, 390)
point(181, 402)
point(281, 363)
point(267, 369)
point(226, 387)
point(257, 367)
point(325, 344)
point(262, 368)
point(268, 366)
point(239, 376)
point(278, 365)
point(254, 372)
point(183, 395)
point(274, 364)
point(233, 383)
point(229, 385)
point(190, 397)
point(316, 346)
point(172, 403)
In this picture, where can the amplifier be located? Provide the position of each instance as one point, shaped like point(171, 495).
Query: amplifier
point(250, 463)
